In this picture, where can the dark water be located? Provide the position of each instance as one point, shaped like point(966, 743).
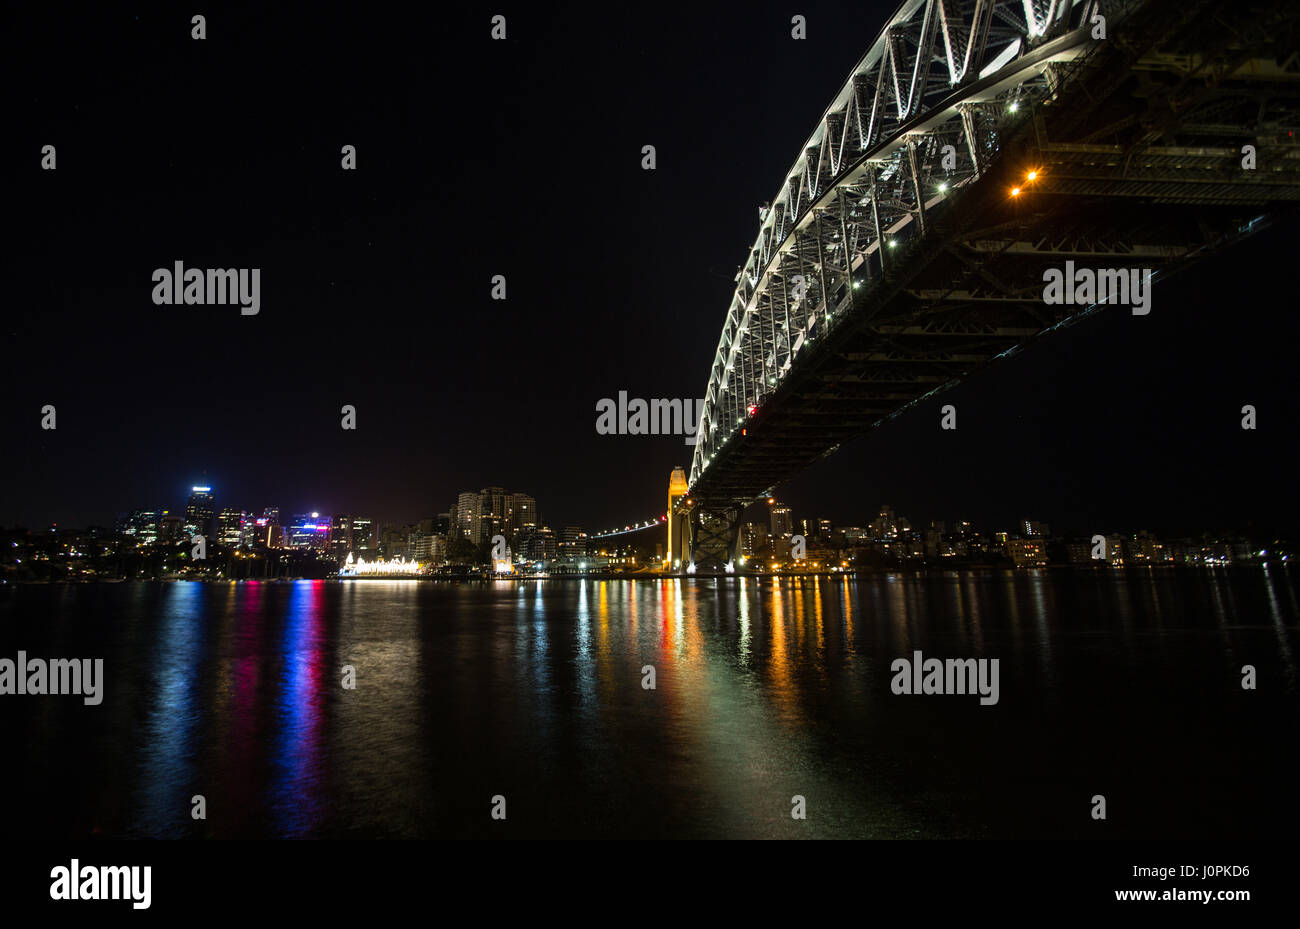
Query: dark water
point(1120, 683)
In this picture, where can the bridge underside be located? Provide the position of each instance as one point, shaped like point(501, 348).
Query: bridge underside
point(975, 297)
point(1139, 164)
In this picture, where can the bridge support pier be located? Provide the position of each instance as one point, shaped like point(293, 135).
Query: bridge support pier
point(714, 531)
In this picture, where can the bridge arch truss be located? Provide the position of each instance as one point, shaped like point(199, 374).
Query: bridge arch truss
point(917, 120)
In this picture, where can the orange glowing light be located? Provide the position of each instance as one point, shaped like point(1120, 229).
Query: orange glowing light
point(1015, 191)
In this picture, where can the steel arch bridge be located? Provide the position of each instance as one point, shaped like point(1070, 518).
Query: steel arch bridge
point(976, 143)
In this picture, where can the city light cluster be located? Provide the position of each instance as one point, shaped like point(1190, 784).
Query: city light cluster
point(379, 568)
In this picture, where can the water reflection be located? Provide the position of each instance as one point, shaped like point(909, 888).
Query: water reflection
point(167, 767)
point(299, 750)
point(764, 689)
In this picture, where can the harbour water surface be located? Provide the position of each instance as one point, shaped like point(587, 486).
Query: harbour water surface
point(1124, 683)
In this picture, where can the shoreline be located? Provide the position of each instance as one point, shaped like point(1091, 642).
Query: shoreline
point(699, 575)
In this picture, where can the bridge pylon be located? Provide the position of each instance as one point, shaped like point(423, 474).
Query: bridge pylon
point(678, 533)
point(713, 532)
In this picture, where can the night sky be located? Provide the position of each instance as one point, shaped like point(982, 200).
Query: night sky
point(522, 158)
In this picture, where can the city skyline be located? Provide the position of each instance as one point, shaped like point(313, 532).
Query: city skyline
point(501, 532)
point(656, 523)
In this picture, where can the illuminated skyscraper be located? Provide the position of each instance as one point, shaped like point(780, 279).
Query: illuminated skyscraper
point(351, 534)
point(523, 513)
point(465, 517)
point(142, 525)
point(538, 544)
point(230, 527)
point(363, 534)
point(341, 535)
point(199, 511)
point(491, 511)
point(753, 539)
point(308, 530)
point(494, 507)
point(264, 529)
point(781, 521)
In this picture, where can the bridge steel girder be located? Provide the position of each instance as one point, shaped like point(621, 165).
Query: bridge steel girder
point(713, 535)
point(1136, 172)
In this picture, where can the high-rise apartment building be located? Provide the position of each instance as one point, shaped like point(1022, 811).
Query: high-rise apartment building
point(490, 512)
point(230, 527)
point(465, 517)
point(351, 534)
point(573, 542)
point(523, 513)
point(781, 519)
point(142, 525)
